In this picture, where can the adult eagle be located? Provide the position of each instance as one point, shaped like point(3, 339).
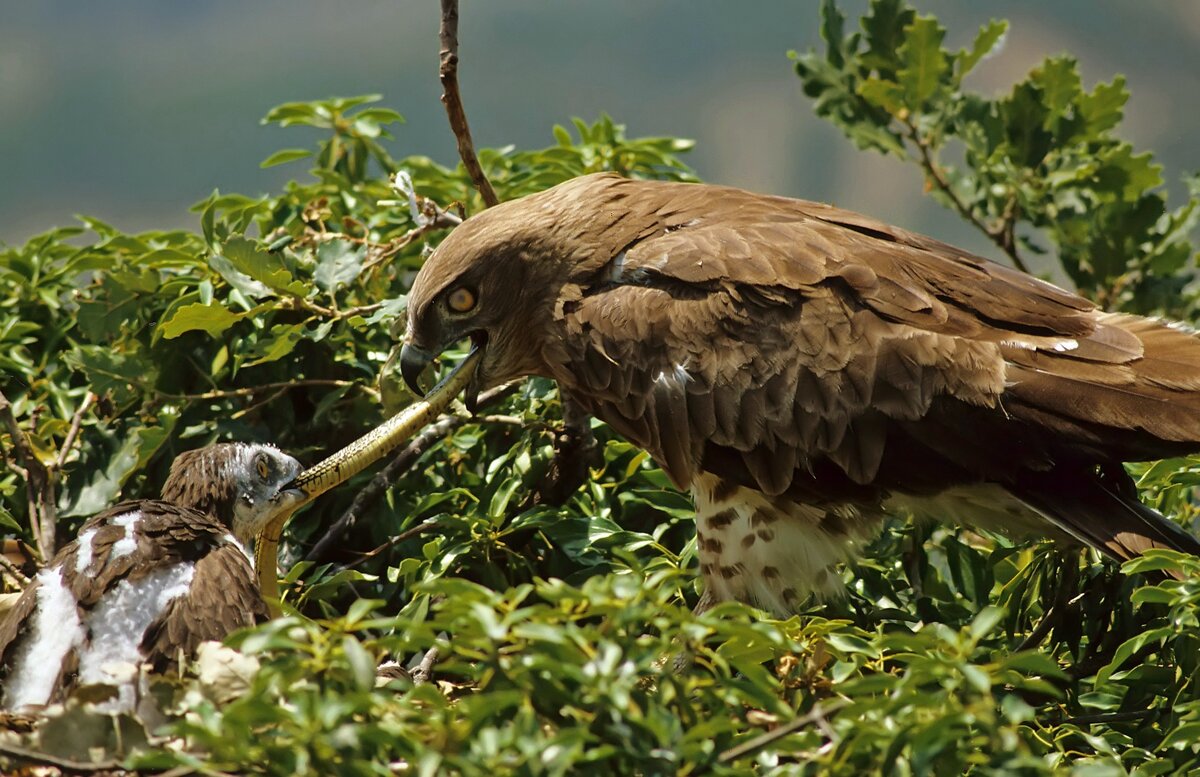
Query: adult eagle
point(148, 581)
point(805, 370)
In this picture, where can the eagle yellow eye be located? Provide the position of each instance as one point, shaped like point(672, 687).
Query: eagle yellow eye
point(263, 469)
point(461, 300)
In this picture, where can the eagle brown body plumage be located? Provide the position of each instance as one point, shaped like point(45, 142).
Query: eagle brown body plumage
point(146, 581)
point(805, 369)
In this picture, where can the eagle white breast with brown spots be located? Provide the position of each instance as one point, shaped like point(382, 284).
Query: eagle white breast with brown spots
point(772, 552)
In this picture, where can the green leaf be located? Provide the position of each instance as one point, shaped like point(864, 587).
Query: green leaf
point(338, 263)
point(987, 620)
point(362, 663)
point(116, 372)
point(8, 522)
point(285, 156)
point(832, 24)
point(269, 269)
point(212, 319)
point(289, 114)
point(1103, 108)
point(977, 678)
point(887, 95)
point(1127, 174)
point(1130, 646)
point(884, 28)
point(103, 485)
point(1058, 80)
point(237, 279)
point(924, 60)
point(989, 39)
point(279, 343)
point(1025, 120)
point(379, 116)
point(1183, 738)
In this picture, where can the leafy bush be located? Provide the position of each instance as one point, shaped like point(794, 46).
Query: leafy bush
point(566, 636)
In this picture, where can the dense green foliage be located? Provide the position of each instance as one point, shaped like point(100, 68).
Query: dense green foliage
point(566, 636)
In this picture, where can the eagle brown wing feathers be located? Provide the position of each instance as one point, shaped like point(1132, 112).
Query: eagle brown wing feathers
point(764, 338)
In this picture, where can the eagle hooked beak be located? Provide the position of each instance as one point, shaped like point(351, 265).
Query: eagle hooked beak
point(414, 360)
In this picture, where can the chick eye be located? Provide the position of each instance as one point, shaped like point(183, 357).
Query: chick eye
point(261, 465)
point(461, 300)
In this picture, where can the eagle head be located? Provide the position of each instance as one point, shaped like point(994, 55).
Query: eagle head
point(493, 281)
point(243, 485)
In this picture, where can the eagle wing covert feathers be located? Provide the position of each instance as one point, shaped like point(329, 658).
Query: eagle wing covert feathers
point(804, 369)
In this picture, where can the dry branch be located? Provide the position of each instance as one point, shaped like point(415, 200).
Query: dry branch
point(575, 445)
point(452, 99)
point(815, 716)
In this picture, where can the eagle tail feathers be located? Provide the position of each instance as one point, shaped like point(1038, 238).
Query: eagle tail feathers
point(1102, 511)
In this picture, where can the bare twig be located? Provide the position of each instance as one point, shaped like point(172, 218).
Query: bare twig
point(1049, 620)
point(14, 572)
point(76, 420)
point(250, 391)
point(1054, 614)
point(407, 534)
point(816, 715)
point(65, 764)
point(452, 99)
point(424, 670)
point(576, 443)
point(298, 302)
point(423, 211)
point(442, 220)
point(509, 420)
point(248, 409)
point(1112, 717)
point(1002, 234)
point(380, 483)
point(20, 446)
point(38, 484)
point(395, 468)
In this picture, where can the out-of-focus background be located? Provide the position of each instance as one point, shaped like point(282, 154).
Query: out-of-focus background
point(132, 110)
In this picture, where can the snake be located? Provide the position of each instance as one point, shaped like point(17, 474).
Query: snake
point(351, 460)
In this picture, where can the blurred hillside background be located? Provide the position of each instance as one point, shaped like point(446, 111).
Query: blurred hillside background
point(133, 110)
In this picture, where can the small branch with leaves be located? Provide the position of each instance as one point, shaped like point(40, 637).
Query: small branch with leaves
point(1003, 233)
point(41, 478)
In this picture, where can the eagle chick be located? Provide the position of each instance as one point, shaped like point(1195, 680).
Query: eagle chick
point(147, 581)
